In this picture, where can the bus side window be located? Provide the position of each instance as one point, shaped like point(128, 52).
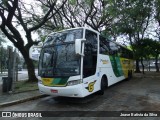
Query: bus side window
point(113, 49)
point(122, 52)
point(104, 46)
point(130, 55)
point(125, 53)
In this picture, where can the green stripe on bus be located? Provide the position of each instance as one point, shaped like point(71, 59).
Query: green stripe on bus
point(59, 81)
point(116, 65)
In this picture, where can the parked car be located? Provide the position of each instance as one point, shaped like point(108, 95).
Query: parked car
point(152, 65)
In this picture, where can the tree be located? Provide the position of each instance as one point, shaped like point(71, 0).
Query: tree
point(2, 51)
point(157, 10)
point(78, 13)
point(147, 48)
point(2, 40)
point(156, 52)
point(130, 18)
point(133, 17)
point(17, 14)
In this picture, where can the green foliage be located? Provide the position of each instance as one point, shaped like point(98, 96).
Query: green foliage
point(155, 48)
point(4, 2)
point(157, 6)
point(132, 14)
point(146, 48)
point(43, 38)
point(72, 2)
point(89, 2)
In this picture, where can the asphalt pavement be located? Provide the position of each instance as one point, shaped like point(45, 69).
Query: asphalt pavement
point(0, 80)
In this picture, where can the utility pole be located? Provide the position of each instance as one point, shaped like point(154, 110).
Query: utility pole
point(1, 56)
point(14, 69)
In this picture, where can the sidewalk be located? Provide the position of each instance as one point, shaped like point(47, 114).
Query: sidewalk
point(16, 98)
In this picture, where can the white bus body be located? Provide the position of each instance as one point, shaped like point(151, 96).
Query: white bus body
point(78, 62)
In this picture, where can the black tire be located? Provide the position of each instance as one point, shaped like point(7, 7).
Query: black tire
point(129, 75)
point(101, 91)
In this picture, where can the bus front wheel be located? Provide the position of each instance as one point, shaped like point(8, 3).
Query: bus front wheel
point(102, 86)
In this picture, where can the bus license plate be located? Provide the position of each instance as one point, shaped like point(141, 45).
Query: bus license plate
point(54, 91)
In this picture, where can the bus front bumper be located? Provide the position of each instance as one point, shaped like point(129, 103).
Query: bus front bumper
point(67, 91)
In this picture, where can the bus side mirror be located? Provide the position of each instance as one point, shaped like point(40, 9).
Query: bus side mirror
point(78, 46)
point(34, 52)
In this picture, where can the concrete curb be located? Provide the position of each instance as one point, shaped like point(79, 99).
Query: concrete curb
point(25, 91)
point(6, 104)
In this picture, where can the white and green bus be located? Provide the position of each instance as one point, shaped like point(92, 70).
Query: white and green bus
point(78, 62)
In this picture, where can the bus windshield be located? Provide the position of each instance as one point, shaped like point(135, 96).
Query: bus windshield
point(63, 37)
point(58, 56)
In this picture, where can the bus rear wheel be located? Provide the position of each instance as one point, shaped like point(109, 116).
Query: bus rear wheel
point(129, 75)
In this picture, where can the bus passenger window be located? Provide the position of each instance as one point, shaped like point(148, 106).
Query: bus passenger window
point(104, 46)
point(113, 48)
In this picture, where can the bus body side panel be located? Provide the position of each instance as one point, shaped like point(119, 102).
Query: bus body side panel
point(127, 66)
point(91, 84)
point(106, 68)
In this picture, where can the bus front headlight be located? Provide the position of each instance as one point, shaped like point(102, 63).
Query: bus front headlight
point(74, 82)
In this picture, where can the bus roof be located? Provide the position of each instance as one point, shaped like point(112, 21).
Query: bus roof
point(88, 28)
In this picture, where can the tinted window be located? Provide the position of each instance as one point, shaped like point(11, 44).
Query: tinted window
point(125, 53)
point(110, 48)
point(90, 52)
point(113, 48)
point(63, 37)
point(59, 60)
point(104, 46)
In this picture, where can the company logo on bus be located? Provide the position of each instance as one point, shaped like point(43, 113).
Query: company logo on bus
point(104, 61)
point(90, 87)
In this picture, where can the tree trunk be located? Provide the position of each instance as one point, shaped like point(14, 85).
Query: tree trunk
point(31, 70)
point(156, 63)
point(30, 66)
point(142, 65)
point(149, 67)
point(137, 67)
